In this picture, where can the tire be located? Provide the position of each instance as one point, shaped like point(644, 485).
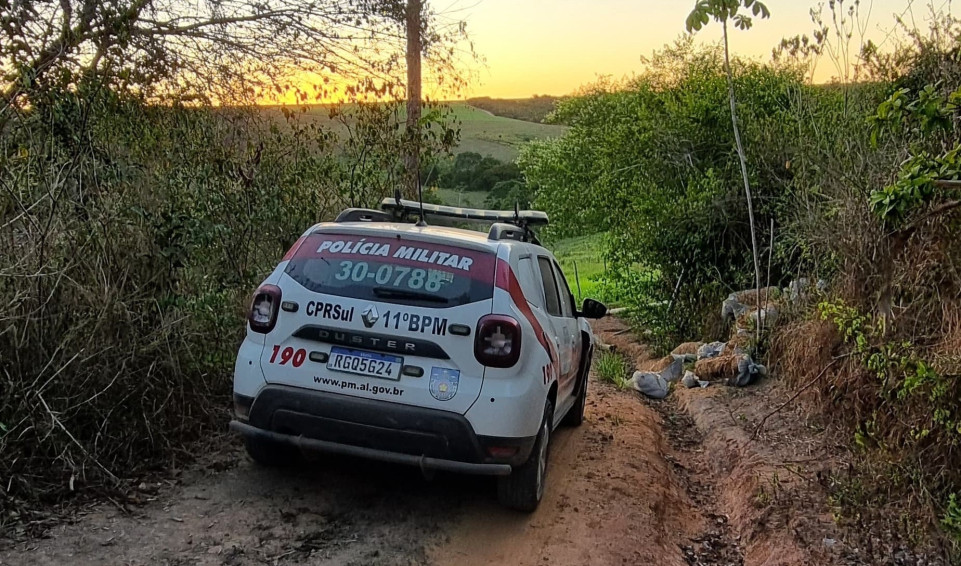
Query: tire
point(271, 454)
point(575, 415)
point(523, 489)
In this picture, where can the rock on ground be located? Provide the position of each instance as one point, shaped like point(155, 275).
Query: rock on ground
point(650, 384)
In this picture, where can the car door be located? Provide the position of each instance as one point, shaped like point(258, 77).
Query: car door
point(570, 333)
point(560, 336)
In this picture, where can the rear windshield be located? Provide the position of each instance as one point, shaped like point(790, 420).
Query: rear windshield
point(392, 270)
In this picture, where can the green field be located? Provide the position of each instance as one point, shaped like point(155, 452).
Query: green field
point(453, 197)
point(480, 131)
point(587, 254)
point(498, 137)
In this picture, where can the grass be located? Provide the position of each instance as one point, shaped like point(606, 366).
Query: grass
point(582, 259)
point(454, 197)
point(613, 369)
point(480, 131)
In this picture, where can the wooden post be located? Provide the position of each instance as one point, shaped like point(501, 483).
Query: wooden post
point(577, 277)
point(414, 47)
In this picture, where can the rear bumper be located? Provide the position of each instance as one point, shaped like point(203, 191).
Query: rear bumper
point(423, 462)
point(381, 430)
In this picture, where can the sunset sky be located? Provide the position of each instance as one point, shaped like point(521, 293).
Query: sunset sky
point(555, 46)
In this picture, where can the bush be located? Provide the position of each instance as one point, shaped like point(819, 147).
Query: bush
point(870, 212)
point(860, 181)
point(134, 236)
point(653, 161)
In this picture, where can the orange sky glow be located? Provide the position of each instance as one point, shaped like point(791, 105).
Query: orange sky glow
point(556, 46)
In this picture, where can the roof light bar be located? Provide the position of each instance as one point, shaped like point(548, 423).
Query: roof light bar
point(405, 208)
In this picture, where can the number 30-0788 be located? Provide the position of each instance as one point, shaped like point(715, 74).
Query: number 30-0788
point(397, 276)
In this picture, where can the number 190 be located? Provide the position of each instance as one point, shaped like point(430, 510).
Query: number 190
point(295, 357)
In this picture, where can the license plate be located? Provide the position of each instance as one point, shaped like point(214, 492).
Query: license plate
point(365, 363)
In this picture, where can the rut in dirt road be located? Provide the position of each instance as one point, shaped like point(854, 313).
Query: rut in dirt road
point(639, 482)
point(611, 499)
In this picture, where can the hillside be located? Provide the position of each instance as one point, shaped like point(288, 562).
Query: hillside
point(497, 136)
point(533, 109)
point(480, 131)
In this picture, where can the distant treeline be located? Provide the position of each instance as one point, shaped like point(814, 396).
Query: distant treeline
point(528, 109)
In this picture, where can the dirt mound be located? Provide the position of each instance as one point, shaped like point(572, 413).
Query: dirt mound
point(719, 368)
point(687, 348)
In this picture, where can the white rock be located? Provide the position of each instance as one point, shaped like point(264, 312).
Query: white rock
point(673, 372)
point(710, 350)
point(650, 384)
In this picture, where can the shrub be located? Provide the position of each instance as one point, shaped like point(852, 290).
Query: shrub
point(612, 368)
point(134, 235)
point(653, 161)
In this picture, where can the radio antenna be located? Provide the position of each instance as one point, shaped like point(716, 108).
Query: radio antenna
point(420, 199)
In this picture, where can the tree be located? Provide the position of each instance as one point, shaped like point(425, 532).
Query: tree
point(724, 11)
point(414, 13)
point(209, 49)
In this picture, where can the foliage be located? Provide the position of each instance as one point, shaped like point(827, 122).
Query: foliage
point(477, 131)
point(922, 117)
point(470, 171)
point(914, 410)
point(951, 520)
point(582, 259)
point(534, 109)
point(372, 136)
point(612, 368)
point(228, 51)
point(507, 195)
point(653, 162)
point(724, 10)
point(851, 178)
point(136, 233)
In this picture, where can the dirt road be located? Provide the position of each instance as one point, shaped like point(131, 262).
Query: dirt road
point(637, 483)
point(611, 500)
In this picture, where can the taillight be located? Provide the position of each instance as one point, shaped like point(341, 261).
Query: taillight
point(498, 341)
point(264, 308)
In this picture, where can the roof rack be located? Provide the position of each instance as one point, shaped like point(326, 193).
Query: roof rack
point(504, 231)
point(363, 215)
point(404, 209)
point(506, 224)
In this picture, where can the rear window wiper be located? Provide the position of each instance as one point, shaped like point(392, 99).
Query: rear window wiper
point(389, 293)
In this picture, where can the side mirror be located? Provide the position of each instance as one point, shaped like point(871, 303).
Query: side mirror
point(593, 309)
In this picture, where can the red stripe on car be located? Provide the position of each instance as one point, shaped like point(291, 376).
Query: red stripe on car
point(505, 279)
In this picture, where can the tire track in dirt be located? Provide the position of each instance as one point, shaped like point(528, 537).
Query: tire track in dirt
point(611, 499)
point(616, 494)
point(762, 498)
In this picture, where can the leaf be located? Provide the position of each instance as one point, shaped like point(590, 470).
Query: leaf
point(762, 9)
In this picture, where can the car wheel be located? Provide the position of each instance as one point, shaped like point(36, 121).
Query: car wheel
point(524, 487)
point(575, 416)
point(271, 454)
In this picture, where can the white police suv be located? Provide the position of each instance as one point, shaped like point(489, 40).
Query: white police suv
point(439, 347)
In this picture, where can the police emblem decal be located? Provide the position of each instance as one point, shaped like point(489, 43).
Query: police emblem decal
point(443, 383)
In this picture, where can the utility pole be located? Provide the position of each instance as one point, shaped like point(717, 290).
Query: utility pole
point(414, 48)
